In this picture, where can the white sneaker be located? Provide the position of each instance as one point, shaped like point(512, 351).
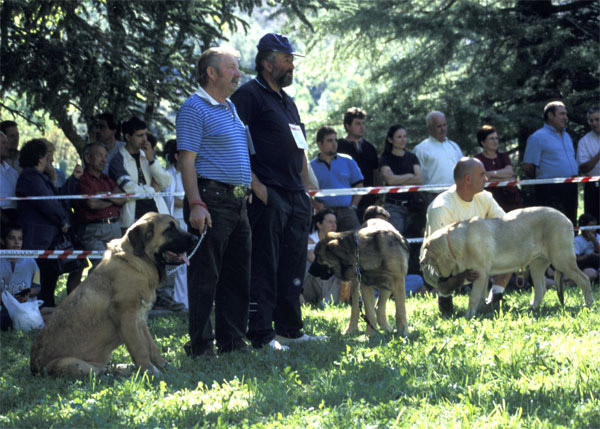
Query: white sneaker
point(302, 339)
point(276, 345)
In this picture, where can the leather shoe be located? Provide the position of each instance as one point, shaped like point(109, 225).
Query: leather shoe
point(237, 346)
point(445, 305)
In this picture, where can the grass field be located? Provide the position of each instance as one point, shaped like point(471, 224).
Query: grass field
point(518, 369)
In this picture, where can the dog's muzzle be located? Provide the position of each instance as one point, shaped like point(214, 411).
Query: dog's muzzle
point(322, 271)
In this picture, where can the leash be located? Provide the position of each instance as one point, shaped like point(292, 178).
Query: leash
point(171, 271)
point(359, 280)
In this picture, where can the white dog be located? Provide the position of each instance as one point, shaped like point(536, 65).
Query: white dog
point(535, 236)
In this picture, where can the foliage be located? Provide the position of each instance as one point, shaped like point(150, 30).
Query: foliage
point(518, 369)
point(479, 61)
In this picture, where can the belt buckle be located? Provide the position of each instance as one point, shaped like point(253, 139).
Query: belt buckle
point(240, 191)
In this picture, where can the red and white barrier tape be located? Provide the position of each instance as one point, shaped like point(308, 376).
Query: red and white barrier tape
point(97, 254)
point(436, 188)
point(328, 192)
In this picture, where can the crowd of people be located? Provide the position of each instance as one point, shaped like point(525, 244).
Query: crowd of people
point(240, 158)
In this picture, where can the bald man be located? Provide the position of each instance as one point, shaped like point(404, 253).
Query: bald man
point(460, 202)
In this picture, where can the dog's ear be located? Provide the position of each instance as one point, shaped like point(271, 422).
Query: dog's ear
point(339, 247)
point(139, 235)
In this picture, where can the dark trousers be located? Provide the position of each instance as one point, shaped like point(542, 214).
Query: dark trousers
point(591, 199)
point(219, 272)
point(48, 278)
point(279, 246)
point(562, 197)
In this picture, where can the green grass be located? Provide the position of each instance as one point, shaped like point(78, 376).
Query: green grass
point(519, 369)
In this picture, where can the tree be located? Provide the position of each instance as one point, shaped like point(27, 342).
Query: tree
point(479, 61)
point(74, 59)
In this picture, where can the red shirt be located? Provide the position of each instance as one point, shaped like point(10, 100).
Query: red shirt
point(88, 185)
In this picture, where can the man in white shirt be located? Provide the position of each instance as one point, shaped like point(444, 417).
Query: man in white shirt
point(8, 181)
point(588, 159)
point(461, 202)
point(437, 154)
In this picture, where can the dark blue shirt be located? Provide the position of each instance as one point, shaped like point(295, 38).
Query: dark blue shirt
point(278, 160)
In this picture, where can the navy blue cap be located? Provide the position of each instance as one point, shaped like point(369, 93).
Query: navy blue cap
point(276, 42)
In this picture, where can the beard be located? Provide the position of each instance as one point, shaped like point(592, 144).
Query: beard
point(284, 78)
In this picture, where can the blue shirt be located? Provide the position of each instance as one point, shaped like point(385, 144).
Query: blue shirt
point(215, 132)
point(551, 152)
point(343, 172)
point(278, 160)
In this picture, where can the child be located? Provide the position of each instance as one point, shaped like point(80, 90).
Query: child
point(19, 276)
point(587, 248)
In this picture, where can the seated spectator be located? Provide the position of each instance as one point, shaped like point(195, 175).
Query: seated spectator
point(498, 168)
point(400, 167)
point(175, 204)
point(19, 276)
point(97, 220)
point(8, 181)
point(587, 249)
point(315, 290)
point(43, 221)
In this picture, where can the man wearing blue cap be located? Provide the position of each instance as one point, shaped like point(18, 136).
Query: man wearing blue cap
point(280, 209)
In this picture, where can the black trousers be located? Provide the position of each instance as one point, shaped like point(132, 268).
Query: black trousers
point(219, 272)
point(591, 199)
point(48, 278)
point(562, 197)
point(279, 246)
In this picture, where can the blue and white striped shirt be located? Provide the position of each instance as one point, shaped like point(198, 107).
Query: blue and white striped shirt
point(217, 135)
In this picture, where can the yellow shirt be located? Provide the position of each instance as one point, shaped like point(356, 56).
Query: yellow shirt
point(448, 207)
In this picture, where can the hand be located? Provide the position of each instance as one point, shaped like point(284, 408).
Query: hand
point(471, 275)
point(65, 228)
point(260, 190)
point(147, 148)
point(77, 171)
point(200, 218)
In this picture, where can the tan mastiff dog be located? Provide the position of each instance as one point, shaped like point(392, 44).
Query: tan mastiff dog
point(381, 254)
point(535, 236)
point(111, 305)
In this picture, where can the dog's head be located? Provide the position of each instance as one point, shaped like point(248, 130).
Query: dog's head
point(335, 251)
point(159, 238)
point(436, 253)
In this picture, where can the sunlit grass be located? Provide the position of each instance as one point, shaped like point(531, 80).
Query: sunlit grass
point(519, 369)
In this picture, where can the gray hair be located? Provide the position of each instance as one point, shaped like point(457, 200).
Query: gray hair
point(212, 58)
point(431, 115)
point(268, 56)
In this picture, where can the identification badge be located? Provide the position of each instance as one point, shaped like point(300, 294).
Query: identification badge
point(298, 136)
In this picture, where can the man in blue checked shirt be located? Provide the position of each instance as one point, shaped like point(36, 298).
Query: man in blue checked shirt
point(215, 170)
point(337, 171)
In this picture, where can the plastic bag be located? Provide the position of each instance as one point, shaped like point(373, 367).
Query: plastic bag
point(25, 315)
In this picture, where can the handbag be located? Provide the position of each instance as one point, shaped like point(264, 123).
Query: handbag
point(25, 315)
point(64, 242)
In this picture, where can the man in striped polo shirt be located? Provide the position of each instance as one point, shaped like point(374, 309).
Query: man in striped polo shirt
point(215, 170)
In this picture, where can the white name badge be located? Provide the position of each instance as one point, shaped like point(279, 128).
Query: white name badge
point(298, 136)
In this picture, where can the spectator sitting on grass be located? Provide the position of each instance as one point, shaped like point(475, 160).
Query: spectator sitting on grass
point(587, 249)
point(19, 276)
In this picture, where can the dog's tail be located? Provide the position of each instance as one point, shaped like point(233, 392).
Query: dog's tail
point(560, 289)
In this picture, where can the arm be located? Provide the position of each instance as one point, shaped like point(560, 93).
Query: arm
point(310, 255)
point(506, 173)
point(414, 178)
point(356, 198)
point(591, 163)
point(305, 177)
point(259, 189)
point(199, 216)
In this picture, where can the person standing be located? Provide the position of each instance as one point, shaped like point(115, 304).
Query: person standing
point(588, 158)
point(549, 153)
point(216, 175)
point(361, 151)
point(400, 167)
point(107, 130)
point(280, 210)
point(337, 171)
